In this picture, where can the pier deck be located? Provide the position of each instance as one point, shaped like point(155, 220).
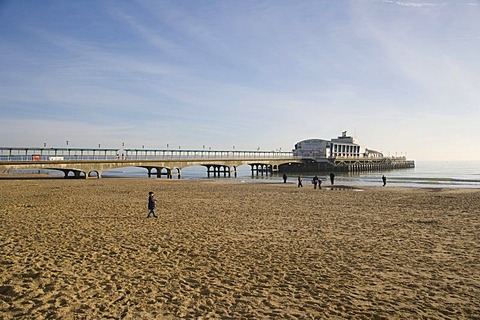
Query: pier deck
point(86, 163)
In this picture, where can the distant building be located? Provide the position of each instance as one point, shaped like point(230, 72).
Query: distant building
point(344, 146)
point(340, 147)
point(316, 149)
point(340, 154)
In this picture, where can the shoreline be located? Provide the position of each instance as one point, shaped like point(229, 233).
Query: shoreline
point(325, 185)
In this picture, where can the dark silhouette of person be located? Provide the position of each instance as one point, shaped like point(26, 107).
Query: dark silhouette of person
point(384, 179)
point(300, 185)
point(315, 182)
point(332, 178)
point(152, 204)
point(284, 178)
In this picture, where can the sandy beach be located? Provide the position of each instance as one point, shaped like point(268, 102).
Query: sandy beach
point(84, 249)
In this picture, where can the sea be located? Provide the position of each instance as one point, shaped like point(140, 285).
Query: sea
point(426, 174)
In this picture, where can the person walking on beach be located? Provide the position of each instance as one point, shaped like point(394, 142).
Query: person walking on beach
point(284, 178)
point(315, 182)
point(332, 178)
point(300, 185)
point(384, 179)
point(152, 204)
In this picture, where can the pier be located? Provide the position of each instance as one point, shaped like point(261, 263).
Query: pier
point(83, 163)
point(348, 164)
point(342, 154)
point(371, 164)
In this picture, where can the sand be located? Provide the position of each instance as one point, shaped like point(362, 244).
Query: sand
point(84, 249)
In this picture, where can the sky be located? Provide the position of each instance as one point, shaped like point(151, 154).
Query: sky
point(402, 77)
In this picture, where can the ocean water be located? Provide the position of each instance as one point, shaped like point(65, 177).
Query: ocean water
point(431, 174)
point(426, 174)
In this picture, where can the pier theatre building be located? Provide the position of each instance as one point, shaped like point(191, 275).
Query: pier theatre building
point(341, 154)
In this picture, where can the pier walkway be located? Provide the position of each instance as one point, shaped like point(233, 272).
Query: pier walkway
point(86, 163)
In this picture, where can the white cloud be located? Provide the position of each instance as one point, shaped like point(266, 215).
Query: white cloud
point(413, 4)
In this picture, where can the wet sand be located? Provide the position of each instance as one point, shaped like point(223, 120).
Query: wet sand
point(84, 249)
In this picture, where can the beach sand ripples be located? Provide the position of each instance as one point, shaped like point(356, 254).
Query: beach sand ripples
point(84, 249)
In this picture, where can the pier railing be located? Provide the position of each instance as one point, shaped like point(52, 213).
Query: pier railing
point(88, 154)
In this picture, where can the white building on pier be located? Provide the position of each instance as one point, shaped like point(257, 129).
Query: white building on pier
point(340, 147)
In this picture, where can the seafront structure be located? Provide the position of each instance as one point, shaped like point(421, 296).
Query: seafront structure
point(313, 155)
point(341, 147)
point(87, 162)
point(341, 154)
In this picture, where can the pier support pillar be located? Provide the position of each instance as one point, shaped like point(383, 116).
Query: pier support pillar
point(220, 170)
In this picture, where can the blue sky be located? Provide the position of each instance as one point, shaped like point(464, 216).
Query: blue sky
point(402, 76)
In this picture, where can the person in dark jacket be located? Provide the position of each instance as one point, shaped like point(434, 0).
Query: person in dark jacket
point(332, 178)
point(315, 182)
point(152, 204)
point(300, 185)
